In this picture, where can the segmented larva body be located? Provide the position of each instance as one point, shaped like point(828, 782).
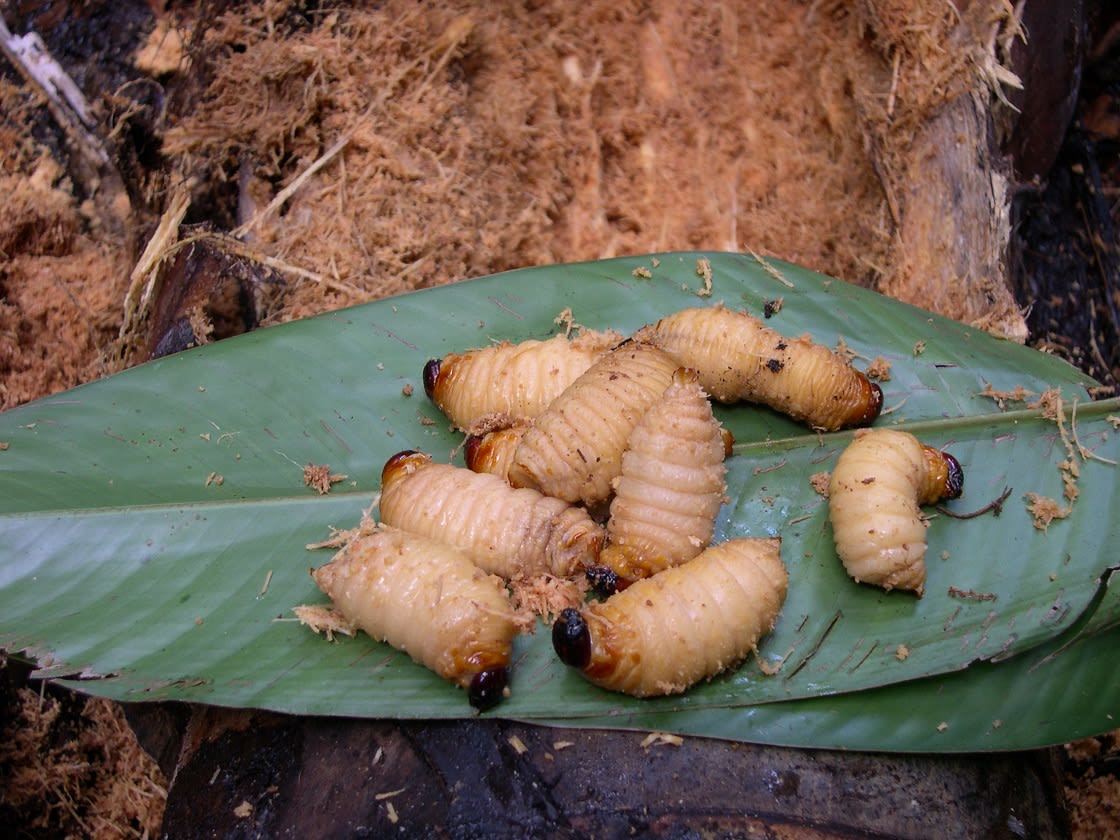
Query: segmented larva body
point(507, 531)
point(671, 486)
point(740, 359)
point(429, 600)
point(519, 379)
point(574, 449)
point(491, 449)
point(688, 623)
point(874, 494)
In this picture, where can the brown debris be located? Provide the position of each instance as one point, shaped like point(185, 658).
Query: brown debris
point(819, 482)
point(1044, 510)
point(879, 369)
point(67, 771)
point(324, 619)
point(320, 477)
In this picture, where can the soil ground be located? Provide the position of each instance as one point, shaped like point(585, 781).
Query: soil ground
point(415, 145)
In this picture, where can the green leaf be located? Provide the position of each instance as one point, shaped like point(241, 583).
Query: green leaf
point(153, 525)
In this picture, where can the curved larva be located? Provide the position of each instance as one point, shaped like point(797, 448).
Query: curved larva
point(874, 494)
point(490, 447)
point(519, 379)
point(671, 486)
point(688, 623)
point(739, 359)
point(574, 449)
point(430, 601)
point(507, 531)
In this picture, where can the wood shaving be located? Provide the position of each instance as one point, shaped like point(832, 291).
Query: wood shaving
point(1044, 510)
point(1001, 398)
point(704, 271)
point(659, 739)
point(496, 422)
point(879, 369)
point(844, 351)
point(320, 477)
point(819, 482)
point(546, 596)
point(517, 744)
point(1049, 402)
point(567, 319)
point(324, 619)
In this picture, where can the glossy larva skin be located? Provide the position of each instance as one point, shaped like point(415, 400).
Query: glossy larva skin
point(671, 486)
point(492, 451)
point(518, 379)
point(508, 532)
point(574, 449)
point(740, 359)
point(875, 493)
point(424, 598)
point(665, 633)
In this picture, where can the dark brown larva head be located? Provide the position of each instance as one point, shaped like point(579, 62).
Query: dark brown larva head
point(401, 463)
point(603, 580)
point(471, 454)
point(872, 404)
point(954, 480)
point(488, 687)
point(431, 377)
point(571, 639)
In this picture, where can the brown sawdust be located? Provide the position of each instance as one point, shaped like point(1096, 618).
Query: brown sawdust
point(85, 776)
point(474, 138)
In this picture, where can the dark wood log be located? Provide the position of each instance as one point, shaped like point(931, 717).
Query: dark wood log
point(244, 774)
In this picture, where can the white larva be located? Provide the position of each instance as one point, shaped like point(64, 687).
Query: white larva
point(874, 496)
point(740, 359)
point(517, 379)
point(574, 449)
point(430, 601)
point(665, 633)
point(671, 486)
point(511, 532)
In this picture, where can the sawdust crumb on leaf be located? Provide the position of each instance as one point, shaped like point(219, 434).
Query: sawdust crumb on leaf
point(879, 369)
point(320, 478)
point(324, 619)
point(1044, 510)
point(819, 482)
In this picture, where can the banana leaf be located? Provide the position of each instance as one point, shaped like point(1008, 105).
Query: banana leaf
point(154, 525)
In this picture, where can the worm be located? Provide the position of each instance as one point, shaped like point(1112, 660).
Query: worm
point(685, 624)
point(429, 600)
point(519, 379)
point(671, 485)
point(741, 360)
point(574, 448)
point(880, 480)
point(510, 532)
